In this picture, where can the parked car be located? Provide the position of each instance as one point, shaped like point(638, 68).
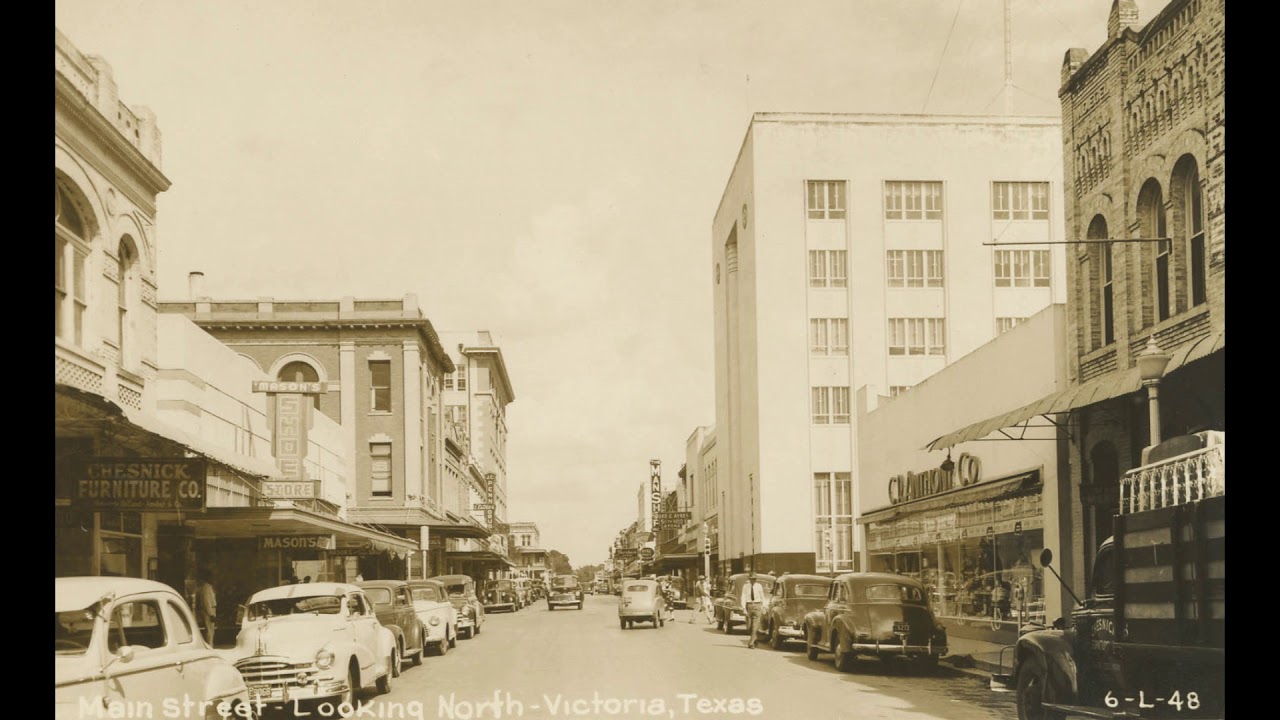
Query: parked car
point(394, 605)
point(877, 615)
point(565, 590)
point(500, 595)
point(728, 606)
point(462, 594)
point(134, 641)
point(792, 598)
point(521, 586)
point(641, 601)
point(313, 641)
point(438, 616)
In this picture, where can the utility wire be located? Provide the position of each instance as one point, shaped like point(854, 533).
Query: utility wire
point(945, 45)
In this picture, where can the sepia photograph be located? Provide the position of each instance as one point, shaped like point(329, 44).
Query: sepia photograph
point(633, 359)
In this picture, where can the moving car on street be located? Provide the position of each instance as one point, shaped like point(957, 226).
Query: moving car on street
point(641, 601)
point(793, 597)
point(521, 586)
point(394, 605)
point(438, 616)
point(565, 590)
point(313, 641)
point(728, 607)
point(879, 615)
point(462, 594)
point(132, 641)
point(500, 595)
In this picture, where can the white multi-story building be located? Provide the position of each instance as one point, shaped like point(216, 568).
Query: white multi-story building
point(476, 395)
point(852, 250)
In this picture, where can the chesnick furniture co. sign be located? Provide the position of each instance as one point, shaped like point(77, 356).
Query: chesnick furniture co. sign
point(112, 483)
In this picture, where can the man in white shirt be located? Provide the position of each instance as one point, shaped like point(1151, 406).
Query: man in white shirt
point(752, 599)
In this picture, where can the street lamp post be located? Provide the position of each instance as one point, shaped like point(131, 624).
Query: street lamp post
point(1151, 366)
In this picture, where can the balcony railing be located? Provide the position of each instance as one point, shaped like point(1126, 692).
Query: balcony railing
point(1176, 481)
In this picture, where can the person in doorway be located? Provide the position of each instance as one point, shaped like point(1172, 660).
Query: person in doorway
point(306, 579)
point(752, 602)
point(207, 606)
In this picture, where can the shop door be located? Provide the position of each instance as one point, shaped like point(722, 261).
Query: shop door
point(173, 549)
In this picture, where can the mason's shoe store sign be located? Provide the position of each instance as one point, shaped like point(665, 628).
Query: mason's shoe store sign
point(105, 483)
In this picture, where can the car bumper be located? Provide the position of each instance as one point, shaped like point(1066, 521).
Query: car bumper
point(499, 606)
point(564, 601)
point(628, 615)
point(277, 696)
point(790, 632)
point(466, 622)
point(894, 649)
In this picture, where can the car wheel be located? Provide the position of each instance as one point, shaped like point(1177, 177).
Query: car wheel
point(443, 647)
point(468, 633)
point(453, 638)
point(810, 649)
point(1032, 679)
point(622, 623)
point(396, 659)
point(719, 623)
point(349, 697)
point(417, 657)
point(384, 682)
point(579, 605)
point(843, 655)
point(775, 638)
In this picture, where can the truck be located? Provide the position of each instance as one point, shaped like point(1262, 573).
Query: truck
point(1149, 639)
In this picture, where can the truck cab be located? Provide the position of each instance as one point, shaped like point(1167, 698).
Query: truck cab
point(1148, 640)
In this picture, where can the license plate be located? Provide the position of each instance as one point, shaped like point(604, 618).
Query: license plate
point(257, 691)
point(901, 627)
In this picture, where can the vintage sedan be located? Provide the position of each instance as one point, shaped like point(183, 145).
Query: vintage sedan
point(122, 642)
point(641, 601)
point(462, 593)
point(313, 641)
point(438, 616)
point(793, 597)
point(728, 606)
point(879, 615)
point(500, 595)
point(394, 605)
point(565, 591)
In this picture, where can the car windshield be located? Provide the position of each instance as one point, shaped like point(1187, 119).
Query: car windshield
point(502, 585)
point(312, 605)
point(901, 593)
point(637, 588)
point(458, 589)
point(379, 596)
point(565, 582)
point(73, 630)
point(810, 590)
point(427, 593)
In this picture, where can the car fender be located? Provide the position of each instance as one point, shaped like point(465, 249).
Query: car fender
point(224, 682)
point(846, 625)
point(386, 643)
point(814, 626)
point(1050, 650)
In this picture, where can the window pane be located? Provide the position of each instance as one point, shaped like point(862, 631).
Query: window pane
point(837, 199)
point(78, 274)
point(818, 336)
point(1197, 270)
point(935, 268)
point(840, 336)
point(136, 624)
point(1041, 268)
point(381, 373)
point(181, 629)
point(817, 268)
point(840, 405)
point(839, 268)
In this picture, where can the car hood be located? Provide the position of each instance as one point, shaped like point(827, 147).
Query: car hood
point(294, 636)
point(426, 606)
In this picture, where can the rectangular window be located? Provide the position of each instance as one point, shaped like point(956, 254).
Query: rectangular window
point(839, 406)
point(1020, 201)
point(59, 283)
point(380, 386)
point(461, 380)
point(380, 469)
point(1198, 293)
point(829, 336)
point(839, 270)
point(896, 390)
point(914, 268)
point(448, 381)
point(1021, 268)
point(917, 336)
point(839, 333)
point(821, 405)
point(1005, 324)
point(826, 199)
point(833, 521)
point(818, 336)
point(1164, 252)
point(78, 295)
point(818, 268)
point(912, 200)
point(1108, 299)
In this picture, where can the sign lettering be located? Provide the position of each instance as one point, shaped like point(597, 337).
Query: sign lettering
point(490, 484)
point(290, 490)
point(295, 542)
point(913, 486)
point(305, 388)
point(141, 483)
point(655, 489)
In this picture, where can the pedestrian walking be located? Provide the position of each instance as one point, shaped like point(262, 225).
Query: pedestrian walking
point(207, 606)
point(702, 596)
point(752, 601)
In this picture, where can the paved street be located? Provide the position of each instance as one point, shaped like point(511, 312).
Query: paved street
point(544, 662)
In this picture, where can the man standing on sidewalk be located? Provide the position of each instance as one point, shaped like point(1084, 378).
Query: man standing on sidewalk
point(752, 598)
point(207, 606)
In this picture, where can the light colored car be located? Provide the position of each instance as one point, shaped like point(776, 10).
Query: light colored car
point(462, 593)
point(313, 641)
point(438, 616)
point(122, 642)
point(641, 601)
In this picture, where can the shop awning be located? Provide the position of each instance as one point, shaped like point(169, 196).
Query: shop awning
point(288, 519)
point(255, 466)
point(678, 560)
point(1027, 483)
point(1094, 391)
point(481, 556)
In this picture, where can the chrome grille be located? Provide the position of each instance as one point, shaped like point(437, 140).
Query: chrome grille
point(275, 673)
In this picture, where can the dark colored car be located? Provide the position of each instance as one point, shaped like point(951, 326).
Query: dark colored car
point(500, 595)
point(793, 597)
point(393, 603)
point(565, 590)
point(728, 605)
point(876, 615)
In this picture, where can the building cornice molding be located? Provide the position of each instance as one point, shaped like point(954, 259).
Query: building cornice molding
point(69, 98)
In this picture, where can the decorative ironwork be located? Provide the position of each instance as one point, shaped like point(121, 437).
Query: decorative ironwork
point(1177, 481)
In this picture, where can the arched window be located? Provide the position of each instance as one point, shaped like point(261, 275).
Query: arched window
point(1104, 315)
point(70, 252)
point(1151, 215)
point(298, 371)
point(1190, 213)
point(125, 257)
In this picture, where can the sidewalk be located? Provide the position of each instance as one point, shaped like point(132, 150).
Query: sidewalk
point(985, 656)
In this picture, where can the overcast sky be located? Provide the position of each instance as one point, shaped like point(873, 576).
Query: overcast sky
point(547, 171)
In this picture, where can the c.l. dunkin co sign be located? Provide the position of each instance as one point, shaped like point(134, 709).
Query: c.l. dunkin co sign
point(913, 486)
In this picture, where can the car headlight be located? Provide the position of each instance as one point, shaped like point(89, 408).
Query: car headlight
point(434, 620)
point(324, 659)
